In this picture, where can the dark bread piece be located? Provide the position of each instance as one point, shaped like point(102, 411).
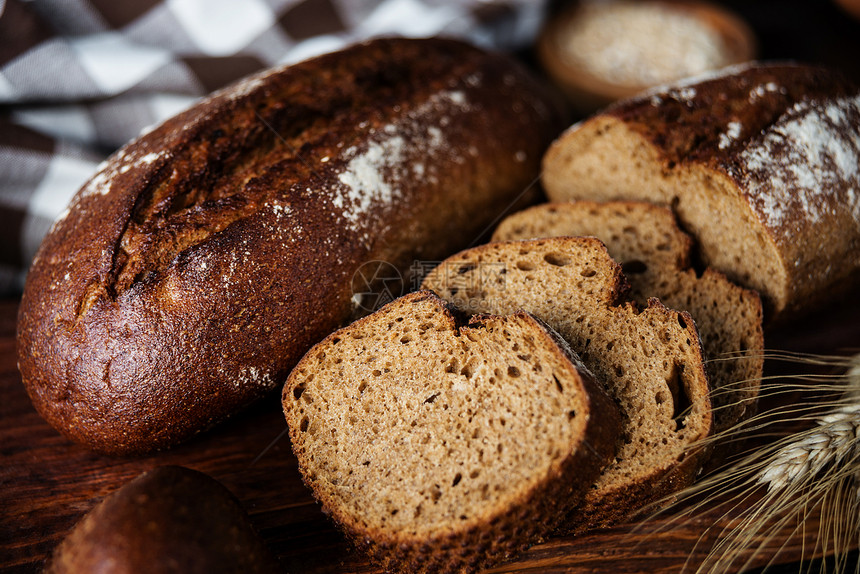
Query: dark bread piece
point(759, 162)
point(167, 520)
point(649, 361)
point(200, 263)
point(440, 446)
point(655, 256)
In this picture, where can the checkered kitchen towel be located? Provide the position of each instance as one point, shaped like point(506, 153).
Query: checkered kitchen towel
point(79, 78)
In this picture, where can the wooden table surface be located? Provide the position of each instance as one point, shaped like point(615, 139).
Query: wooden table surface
point(48, 483)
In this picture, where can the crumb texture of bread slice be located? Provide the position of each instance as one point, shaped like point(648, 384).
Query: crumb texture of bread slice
point(650, 361)
point(439, 446)
point(760, 163)
point(655, 256)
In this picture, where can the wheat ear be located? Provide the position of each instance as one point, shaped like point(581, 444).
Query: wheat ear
point(835, 440)
point(807, 471)
point(815, 471)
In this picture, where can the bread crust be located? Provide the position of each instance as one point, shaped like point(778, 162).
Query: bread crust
point(153, 524)
point(777, 143)
point(205, 257)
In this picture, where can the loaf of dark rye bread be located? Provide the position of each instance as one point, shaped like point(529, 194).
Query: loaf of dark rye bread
point(649, 361)
point(204, 258)
point(168, 520)
point(760, 162)
point(655, 257)
point(444, 446)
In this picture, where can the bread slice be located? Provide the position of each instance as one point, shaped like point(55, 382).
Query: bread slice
point(439, 446)
point(650, 361)
point(760, 162)
point(655, 256)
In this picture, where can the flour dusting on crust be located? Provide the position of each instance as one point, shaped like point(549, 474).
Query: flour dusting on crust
point(255, 376)
point(679, 90)
point(394, 153)
point(762, 90)
point(732, 133)
point(811, 153)
point(119, 163)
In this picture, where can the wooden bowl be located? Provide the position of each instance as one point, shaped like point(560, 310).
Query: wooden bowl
point(852, 7)
point(588, 91)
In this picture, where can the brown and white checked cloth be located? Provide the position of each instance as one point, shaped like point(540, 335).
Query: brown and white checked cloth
point(79, 78)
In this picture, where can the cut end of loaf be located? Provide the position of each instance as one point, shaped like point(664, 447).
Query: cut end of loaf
point(605, 159)
point(444, 443)
point(760, 163)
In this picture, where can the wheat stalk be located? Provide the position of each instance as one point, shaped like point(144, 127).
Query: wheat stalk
point(833, 441)
point(807, 471)
point(815, 470)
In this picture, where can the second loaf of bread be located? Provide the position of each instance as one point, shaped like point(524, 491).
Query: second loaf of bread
point(759, 162)
point(203, 259)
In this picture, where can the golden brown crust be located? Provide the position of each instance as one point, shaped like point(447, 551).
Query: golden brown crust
point(204, 258)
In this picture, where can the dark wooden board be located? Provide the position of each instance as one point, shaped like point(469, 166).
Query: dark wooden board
point(48, 483)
